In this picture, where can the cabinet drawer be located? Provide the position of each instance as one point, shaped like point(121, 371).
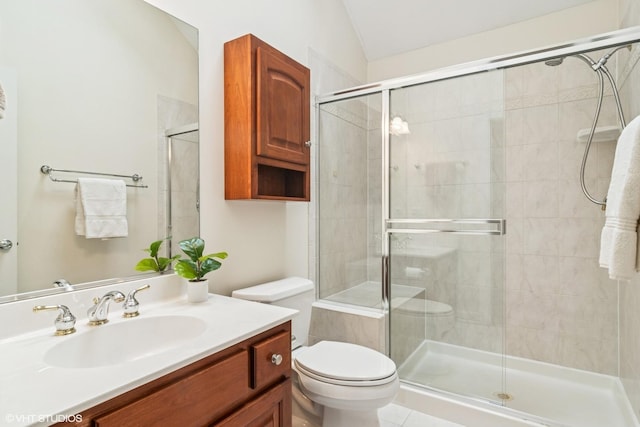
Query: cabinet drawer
point(271, 359)
point(191, 401)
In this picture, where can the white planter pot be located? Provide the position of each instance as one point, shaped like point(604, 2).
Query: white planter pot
point(198, 291)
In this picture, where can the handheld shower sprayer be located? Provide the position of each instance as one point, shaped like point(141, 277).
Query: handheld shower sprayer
point(601, 70)
point(596, 66)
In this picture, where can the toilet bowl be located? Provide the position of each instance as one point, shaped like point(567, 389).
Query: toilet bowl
point(350, 381)
point(305, 412)
point(345, 382)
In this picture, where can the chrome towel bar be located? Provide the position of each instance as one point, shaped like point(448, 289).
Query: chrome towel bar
point(48, 170)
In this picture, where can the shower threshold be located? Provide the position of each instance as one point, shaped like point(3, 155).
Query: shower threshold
point(553, 395)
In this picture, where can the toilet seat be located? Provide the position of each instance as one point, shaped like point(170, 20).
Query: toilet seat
point(437, 308)
point(346, 364)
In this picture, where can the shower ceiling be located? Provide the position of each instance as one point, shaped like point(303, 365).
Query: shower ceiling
point(390, 27)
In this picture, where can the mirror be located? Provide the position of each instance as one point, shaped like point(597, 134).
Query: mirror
point(93, 87)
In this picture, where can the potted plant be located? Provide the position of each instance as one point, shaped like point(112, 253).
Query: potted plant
point(196, 266)
point(155, 262)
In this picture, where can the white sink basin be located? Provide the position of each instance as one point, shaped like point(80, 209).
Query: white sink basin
point(128, 340)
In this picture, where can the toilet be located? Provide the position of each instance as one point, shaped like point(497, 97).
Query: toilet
point(345, 383)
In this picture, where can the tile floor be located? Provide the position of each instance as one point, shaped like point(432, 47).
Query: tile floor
point(394, 415)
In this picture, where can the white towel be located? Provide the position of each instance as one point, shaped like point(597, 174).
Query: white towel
point(101, 208)
point(619, 240)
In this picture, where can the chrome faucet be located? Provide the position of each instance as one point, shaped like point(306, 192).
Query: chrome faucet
point(98, 313)
point(62, 283)
point(131, 304)
point(65, 322)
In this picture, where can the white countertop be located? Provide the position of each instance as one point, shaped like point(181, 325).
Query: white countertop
point(31, 390)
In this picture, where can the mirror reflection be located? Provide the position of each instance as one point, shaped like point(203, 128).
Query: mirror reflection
point(107, 86)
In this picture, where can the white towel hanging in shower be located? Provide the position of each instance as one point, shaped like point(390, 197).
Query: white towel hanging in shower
point(619, 250)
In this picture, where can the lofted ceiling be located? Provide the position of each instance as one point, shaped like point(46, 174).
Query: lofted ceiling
point(390, 27)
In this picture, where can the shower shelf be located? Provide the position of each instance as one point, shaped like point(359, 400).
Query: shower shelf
point(601, 134)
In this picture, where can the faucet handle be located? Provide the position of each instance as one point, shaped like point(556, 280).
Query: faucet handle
point(65, 322)
point(131, 304)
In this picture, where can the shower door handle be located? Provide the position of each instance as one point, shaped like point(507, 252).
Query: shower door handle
point(473, 226)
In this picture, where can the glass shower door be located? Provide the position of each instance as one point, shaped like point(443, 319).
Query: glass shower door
point(350, 225)
point(445, 235)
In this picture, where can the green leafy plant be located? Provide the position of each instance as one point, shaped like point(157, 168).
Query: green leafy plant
point(198, 265)
point(155, 262)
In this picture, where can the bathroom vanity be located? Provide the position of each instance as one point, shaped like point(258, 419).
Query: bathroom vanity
point(222, 362)
point(246, 384)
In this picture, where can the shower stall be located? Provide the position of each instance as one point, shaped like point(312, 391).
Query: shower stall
point(180, 185)
point(452, 202)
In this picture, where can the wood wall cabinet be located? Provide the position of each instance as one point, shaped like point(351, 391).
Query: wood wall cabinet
point(239, 386)
point(266, 123)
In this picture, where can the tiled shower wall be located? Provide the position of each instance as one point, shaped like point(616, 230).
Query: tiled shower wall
point(630, 291)
point(561, 307)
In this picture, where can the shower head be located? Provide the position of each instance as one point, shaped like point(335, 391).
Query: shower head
point(554, 62)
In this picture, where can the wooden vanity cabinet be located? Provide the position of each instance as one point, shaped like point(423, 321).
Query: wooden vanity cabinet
point(266, 123)
point(237, 387)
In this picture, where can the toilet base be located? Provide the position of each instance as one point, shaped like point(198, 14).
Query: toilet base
point(302, 422)
point(348, 418)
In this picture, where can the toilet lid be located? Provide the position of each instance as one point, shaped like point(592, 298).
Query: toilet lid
point(345, 361)
point(437, 307)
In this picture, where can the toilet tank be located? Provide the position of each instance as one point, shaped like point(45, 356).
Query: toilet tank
point(293, 292)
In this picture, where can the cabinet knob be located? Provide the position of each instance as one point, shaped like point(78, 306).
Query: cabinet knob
point(276, 359)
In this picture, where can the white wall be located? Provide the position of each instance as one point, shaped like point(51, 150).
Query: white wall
point(260, 236)
point(569, 24)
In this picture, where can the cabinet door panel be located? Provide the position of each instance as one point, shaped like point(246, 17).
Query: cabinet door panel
point(272, 409)
point(191, 401)
point(283, 108)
